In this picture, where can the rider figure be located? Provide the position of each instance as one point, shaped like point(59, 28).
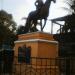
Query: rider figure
point(38, 4)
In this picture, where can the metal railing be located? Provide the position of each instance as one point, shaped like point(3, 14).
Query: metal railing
point(39, 66)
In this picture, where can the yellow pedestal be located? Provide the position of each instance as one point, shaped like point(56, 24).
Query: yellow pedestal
point(42, 44)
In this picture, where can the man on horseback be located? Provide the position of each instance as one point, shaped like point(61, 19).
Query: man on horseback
point(39, 4)
point(41, 12)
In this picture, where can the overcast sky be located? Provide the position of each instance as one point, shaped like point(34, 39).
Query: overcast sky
point(21, 8)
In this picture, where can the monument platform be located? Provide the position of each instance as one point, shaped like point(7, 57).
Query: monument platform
point(42, 44)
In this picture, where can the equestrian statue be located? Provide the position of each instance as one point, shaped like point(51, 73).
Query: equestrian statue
point(41, 13)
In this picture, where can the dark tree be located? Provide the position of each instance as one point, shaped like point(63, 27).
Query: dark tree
point(20, 30)
point(7, 28)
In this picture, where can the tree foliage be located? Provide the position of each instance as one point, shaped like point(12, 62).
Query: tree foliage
point(71, 4)
point(7, 28)
point(20, 30)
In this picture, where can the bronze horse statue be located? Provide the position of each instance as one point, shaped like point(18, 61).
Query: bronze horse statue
point(33, 17)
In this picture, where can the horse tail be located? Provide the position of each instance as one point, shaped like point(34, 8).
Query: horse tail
point(27, 25)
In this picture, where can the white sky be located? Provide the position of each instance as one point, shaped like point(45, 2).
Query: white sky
point(21, 8)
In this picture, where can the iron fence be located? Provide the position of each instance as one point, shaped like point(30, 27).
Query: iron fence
point(39, 66)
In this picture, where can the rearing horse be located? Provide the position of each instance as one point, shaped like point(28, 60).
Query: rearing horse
point(34, 16)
